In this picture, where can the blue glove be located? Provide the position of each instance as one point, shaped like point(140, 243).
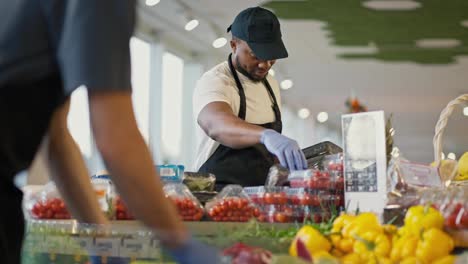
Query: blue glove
point(195, 252)
point(287, 150)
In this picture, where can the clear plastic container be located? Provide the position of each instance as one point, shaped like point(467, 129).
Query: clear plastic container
point(188, 206)
point(452, 203)
point(171, 173)
point(104, 190)
point(47, 204)
point(199, 182)
point(232, 204)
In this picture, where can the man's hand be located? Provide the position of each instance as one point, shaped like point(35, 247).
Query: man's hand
point(287, 150)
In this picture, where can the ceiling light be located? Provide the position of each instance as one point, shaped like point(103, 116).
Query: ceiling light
point(322, 117)
point(464, 23)
point(303, 113)
point(396, 5)
point(451, 156)
point(191, 25)
point(442, 156)
point(286, 84)
point(152, 2)
point(437, 43)
point(271, 72)
point(465, 111)
point(219, 42)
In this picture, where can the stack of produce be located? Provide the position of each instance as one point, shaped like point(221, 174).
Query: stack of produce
point(362, 239)
point(189, 208)
point(232, 204)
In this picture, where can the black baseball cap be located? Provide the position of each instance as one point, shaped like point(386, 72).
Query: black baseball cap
point(260, 28)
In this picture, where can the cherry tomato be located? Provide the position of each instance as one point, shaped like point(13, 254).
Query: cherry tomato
point(280, 217)
point(268, 198)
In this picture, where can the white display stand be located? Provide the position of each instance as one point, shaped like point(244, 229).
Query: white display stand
point(365, 164)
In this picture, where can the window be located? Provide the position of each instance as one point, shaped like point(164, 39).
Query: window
point(172, 81)
point(140, 59)
point(78, 120)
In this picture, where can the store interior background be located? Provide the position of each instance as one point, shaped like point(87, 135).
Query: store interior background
point(408, 58)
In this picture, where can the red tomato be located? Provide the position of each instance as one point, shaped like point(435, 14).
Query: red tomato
point(314, 200)
point(280, 198)
point(280, 217)
point(340, 183)
point(306, 199)
point(268, 198)
point(313, 183)
point(256, 212)
point(323, 183)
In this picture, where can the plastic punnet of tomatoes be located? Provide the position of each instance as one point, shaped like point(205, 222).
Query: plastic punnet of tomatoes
point(333, 162)
point(232, 204)
point(255, 194)
point(47, 204)
point(303, 178)
point(452, 203)
point(188, 206)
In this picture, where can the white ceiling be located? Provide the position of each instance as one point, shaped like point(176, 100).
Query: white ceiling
point(415, 94)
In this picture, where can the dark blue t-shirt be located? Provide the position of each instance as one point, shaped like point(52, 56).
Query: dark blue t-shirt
point(86, 41)
point(48, 48)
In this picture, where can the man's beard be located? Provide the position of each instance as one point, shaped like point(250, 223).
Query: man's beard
point(245, 72)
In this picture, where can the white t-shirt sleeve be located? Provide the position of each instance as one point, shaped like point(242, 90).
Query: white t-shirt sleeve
point(210, 89)
point(276, 90)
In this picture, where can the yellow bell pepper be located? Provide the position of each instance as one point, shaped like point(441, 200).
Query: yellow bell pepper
point(412, 260)
point(362, 223)
point(344, 245)
point(313, 240)
point(390, 231)
point(450, 259)
point(404, 247)
point(434, 244)
point(422, 217)
point(352, 258)
point(379, 260)
point(343, 220)
point(324, 257)
point(371, 245)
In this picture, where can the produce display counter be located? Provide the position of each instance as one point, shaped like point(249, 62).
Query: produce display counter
point(67, 241)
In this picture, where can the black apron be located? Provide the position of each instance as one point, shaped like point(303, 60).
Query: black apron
point(248, 166)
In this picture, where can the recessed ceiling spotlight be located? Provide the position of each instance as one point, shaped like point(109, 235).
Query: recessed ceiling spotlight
point(286, 84)
point(465, 111)
point(191, 25)
point(322, 117)
point(303, 113)
point(271, 72)
point(437, 43)
point(152, 2)
point(395, 5)
point(219, 42)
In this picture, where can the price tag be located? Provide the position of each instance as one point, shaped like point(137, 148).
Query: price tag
point(34, 243)
point(108, 247)
point(420, 175)
point(54, 244)
point(79, 245)
point(154, 250)
point(134, 248)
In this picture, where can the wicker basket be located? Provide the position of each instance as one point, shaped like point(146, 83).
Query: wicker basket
point(460, 236)
point(439, 133)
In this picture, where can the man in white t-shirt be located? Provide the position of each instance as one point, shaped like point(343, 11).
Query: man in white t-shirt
point(237, 107)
